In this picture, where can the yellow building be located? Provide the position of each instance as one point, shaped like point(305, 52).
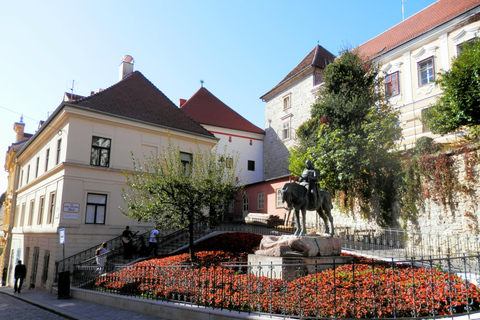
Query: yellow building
point(7, 200)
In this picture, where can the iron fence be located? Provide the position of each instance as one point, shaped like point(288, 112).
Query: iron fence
point(401, 244)
point(424, 288)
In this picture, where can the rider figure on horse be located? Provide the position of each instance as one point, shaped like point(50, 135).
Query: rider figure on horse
point(309, 180)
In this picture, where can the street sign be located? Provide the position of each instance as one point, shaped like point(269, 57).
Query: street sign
point(62, 236)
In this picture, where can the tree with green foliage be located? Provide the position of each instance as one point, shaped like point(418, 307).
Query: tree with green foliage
point(176, 193)
point(351, 135)
point(459, 105)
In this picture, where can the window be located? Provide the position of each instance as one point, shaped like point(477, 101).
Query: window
point(286, 130)
point(47, 158)
point(245, 204)
point(21, 178)
point(30, 212)
point(41, 209)
point(286, 102)
point(37, 166)
point(279, 200)
point(46, 261)
point(392, 87)
point(59, 149)
point(229, 163)
point(96, 208)
point(426, 72)
point(251, 165)
point(425, 126)
point(22, 217)
point(464, 45)
point(100, 155)
point(260, 201)
point(186, 159)
point(28, 173)
point(33, 274)
point(51, 208)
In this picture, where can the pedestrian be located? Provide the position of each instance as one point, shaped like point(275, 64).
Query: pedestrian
point(101, 256)
point(20, 274)
point(127, 238)
point(153, 242)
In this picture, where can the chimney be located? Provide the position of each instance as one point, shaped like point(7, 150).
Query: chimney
point(126, 67)
point(182, 102)
point(18, 127)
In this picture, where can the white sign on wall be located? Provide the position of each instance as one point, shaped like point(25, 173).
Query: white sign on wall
point(71, 207)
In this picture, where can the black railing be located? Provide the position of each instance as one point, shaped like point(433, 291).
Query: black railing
point(362, 288)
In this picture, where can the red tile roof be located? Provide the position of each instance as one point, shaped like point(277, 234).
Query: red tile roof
point(423, 21)
point(205, 108)
point(135, 97)
point(319, 57)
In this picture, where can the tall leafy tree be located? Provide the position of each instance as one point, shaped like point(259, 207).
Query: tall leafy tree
point(175, 193)
point(459, 105)
point(351, 134)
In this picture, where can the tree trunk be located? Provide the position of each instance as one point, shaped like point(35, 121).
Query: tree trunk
point(191, 245)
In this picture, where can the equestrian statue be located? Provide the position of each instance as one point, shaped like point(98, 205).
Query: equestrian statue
point(305, 195)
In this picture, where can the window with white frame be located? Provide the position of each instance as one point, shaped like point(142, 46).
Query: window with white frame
point(51, 208)
point(96, 208)
point(186, 159)
point(31, 212)
point(245, 203)
point(41, 209)
point(426, 71)
point(37, 166)
point(47, 158)
point(286, 102)
point(286, 130)
point(279, 199)
point(463, 45)
point(392, 87)
point(261, 201)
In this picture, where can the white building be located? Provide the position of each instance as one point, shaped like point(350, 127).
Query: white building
point(237, 136)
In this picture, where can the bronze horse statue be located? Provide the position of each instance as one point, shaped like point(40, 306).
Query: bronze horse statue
point(295, 195)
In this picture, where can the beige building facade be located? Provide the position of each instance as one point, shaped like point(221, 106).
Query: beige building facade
point(70, 173)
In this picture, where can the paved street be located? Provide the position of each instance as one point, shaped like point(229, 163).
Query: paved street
point(37, 304)
point(13, 308)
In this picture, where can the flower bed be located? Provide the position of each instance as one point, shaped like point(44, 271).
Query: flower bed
point(363, 289)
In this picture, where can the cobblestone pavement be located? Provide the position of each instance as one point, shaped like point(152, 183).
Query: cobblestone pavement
point(37, 304)
point(13, 308)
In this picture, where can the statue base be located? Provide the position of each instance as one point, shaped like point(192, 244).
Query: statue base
point(290, 268)
point(289, 257)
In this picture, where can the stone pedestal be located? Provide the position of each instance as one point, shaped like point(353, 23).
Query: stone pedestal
point(291, 257)
point(290, 268)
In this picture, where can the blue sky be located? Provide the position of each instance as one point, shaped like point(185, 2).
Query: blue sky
point(240, 49)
